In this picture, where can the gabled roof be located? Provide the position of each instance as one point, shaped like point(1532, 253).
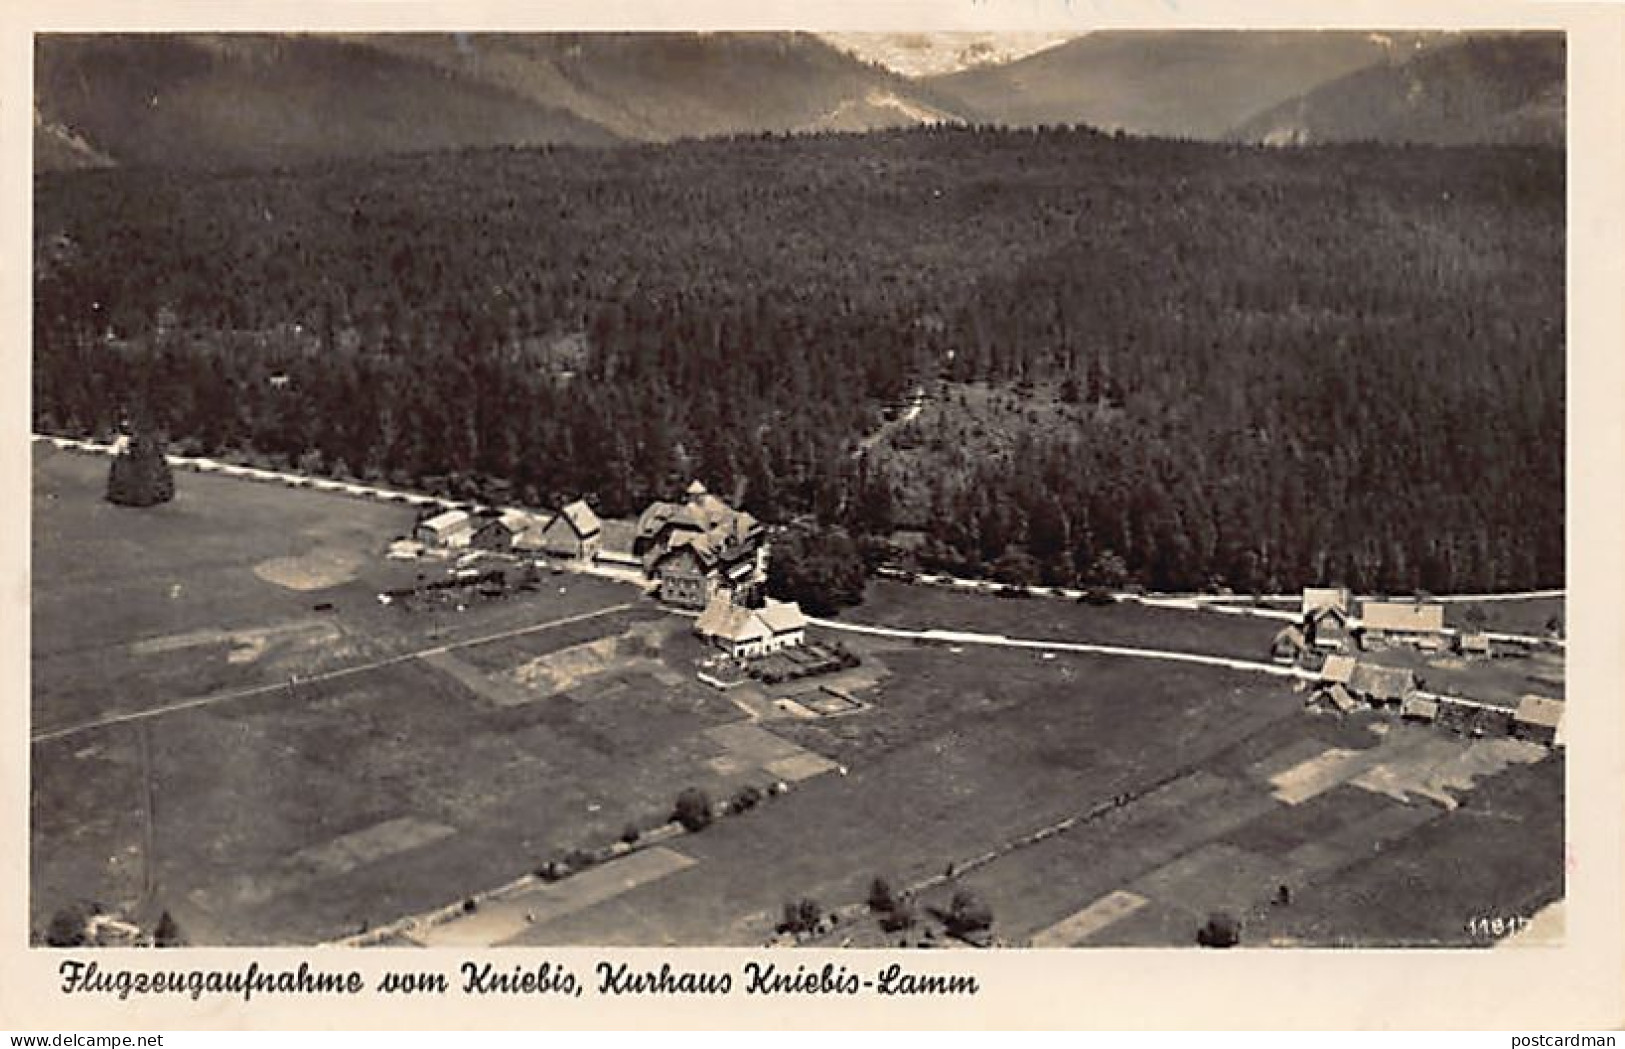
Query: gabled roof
point(1382, 682)
point(726, 620)
point(446, 521)
point(1292, 634)
point(1322, 614)
point(1338, 669)
point(1316, 598)
point(1402, 615)
point(581, 519)
point(1539, 710)
point(1341, 698)
point(782, 617)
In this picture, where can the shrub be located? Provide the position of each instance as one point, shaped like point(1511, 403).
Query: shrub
point(693, 809)
point(470, 905)
point(1097, 595)
point(899, 917)
point(968, 913)
point(630, 833)
point(579, 859)
point(1221, 930)
point(747, 798)
point(140, 475)
point(801, 915)
point(168, 933)
point(70, 926)
point(881, 898)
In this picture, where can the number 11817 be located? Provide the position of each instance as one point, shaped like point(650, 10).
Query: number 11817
point(1496, 926)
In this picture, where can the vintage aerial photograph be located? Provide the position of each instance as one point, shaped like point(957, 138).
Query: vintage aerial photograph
point(837, 490)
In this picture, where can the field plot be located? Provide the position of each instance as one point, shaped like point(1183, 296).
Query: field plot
point(958, 756)
point(912, 607)
point(339, 768)
point(342, 769)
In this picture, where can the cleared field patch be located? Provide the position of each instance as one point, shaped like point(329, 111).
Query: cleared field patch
point(944, 775)
point(1076, 928)
point(499, 921)
point(1500, 854)
point(910, 607)
point(316, 570)
point(1446, 768)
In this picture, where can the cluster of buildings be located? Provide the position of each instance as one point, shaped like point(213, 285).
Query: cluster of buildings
point(1348, 679)
point(700, 553)
point(1331, 622)
point(573, 533)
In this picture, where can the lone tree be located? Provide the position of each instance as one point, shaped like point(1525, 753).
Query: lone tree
point(1221, 930)
point(168, 933)
point(801, 916)
point(693, 809)
point(968, 914)
point(140, 474)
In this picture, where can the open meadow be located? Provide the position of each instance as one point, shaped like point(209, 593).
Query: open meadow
point(230, 726)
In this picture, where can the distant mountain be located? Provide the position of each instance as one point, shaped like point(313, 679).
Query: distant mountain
point(1191, 84)
point(940, 53)
point(212, 101)
point(1497, 89)
point(656, 87)
point(251, 99)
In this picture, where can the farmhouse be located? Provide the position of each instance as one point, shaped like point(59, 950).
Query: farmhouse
point(1288, 644)
point(498, 531)
point(1381, 686)
point(1539, 718)
point(1411, 621)
point(746, 633)
point(1320, 598)
point(1328, 629)
point(574, 533)
point(1338, 670)
point(700, 548)
point(451, 528)
point(1417, 707)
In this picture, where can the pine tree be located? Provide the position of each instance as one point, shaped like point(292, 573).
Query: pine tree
point(140, 474)
point(168, 933)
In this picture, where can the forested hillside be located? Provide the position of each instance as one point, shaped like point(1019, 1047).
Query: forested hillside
point(1484, 89)
point(1190, 361)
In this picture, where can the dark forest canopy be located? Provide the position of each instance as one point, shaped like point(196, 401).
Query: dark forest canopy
point(1273, 366)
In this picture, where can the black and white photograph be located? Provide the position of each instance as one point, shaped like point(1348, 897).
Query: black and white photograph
point(957, 490)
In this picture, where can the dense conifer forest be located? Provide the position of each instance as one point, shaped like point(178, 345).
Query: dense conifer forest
point(1190, 363)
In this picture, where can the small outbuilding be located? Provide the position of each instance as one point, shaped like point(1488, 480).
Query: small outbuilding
point(574, 533)
point(747, 633)
point(1289, 643)
point(449, 528)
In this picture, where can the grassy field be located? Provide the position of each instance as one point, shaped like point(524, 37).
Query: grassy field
point(321, 807)
point(137, 608)
point(1528, 616)
point(915, 607)
point(309, 810)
